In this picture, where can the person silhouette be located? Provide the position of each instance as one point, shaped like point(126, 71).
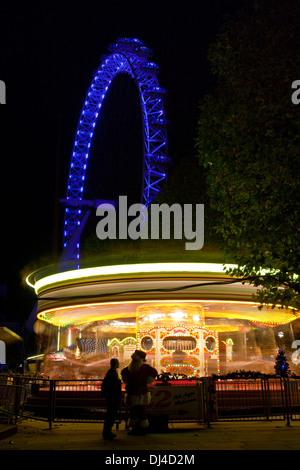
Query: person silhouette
point(137, 376)
point(111, 390)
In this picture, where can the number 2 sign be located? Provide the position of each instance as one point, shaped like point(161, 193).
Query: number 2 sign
point(176, 401)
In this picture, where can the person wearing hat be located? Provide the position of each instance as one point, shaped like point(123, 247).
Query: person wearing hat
point(136, 377)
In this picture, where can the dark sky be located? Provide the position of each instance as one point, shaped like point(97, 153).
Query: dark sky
point(49, 52)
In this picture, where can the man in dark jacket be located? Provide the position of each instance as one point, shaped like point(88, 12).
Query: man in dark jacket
point(111, 390)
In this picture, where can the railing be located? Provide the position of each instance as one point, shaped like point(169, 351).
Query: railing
point(12, 399)
point(61, 400)
point(263, 398)
point(203, 400)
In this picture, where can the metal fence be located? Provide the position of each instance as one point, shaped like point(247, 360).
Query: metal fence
point(12, 400)
point(266, 398)
point(204, 400)
point(61, 400)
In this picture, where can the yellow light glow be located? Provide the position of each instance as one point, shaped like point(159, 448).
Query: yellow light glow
point(73, 314)
point(81, 274)
point(222, 328)
point(169, 312)
point(120, 341)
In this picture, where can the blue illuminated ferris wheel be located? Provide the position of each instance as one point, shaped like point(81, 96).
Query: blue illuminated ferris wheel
point(128, 56)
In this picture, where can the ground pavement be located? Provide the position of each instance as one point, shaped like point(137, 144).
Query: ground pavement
point(35, 435)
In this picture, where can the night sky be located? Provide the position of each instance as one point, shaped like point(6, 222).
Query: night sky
point(49, 52)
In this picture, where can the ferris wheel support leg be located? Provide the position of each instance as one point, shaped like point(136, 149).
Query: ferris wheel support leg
point(68, 253)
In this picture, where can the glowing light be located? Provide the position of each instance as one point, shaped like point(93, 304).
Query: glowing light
point(69, 337)
point(28, 282)
point(154, 316)
point(96, 311)
point(155, 133)
point(123, 341)
point(102, 271)
point(178, 315)
point(229, 349)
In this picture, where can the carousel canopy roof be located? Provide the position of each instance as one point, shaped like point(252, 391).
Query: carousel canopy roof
point(111, 293)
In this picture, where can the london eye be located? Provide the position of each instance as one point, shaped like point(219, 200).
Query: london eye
point(127, 65)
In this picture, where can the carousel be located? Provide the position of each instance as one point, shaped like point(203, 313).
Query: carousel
point(190, 318)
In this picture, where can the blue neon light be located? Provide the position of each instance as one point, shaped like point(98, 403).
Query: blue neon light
point(128, 55)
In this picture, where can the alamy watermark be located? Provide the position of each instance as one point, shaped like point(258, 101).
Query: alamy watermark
point(136, 222)
point(2, 92)
point(296, 94)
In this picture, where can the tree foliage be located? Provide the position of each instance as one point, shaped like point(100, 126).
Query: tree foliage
point(248, 141)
